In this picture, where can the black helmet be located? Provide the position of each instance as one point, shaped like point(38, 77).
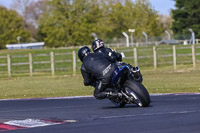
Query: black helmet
point(96, 44)
point(84, 51)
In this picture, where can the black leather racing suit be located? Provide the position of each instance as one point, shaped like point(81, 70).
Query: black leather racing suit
point(117, 57)
point(97, 71)
point(110, 54)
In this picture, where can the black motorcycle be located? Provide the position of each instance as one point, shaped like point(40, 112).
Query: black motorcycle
point(127, 80)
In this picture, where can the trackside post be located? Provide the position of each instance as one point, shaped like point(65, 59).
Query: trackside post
point(74, 62)
point(31, 64)
point(9, 66)
point(52, 64)
point(174, 57)
point(193, 57)
point(154, 58)
point(135, 56)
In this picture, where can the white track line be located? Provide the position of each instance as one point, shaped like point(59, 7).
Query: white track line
point(163, 94)
point(149, 114)
point(48, 98)
point(77, 97)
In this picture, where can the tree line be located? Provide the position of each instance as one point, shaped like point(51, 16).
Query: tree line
point(186, 15)
point(61, 23)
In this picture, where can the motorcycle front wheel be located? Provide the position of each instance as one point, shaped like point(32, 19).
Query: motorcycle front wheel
point(137, 92)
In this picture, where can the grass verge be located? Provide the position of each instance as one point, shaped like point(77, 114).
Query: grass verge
point(59, 86)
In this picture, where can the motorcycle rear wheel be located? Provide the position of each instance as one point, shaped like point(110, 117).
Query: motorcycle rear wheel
point(137, 92)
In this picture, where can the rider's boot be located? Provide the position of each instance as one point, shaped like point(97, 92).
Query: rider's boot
point(114, 94)
point(101, 95)
point(110, 94)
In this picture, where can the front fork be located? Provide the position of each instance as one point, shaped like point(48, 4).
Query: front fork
point(126, 98)
point(131, 97)
point(124, 94)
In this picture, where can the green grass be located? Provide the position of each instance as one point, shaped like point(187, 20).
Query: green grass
point(43, 87)
point(59, 86)
point(173, 82)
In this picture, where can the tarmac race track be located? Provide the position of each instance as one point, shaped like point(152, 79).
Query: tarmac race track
point(173, 113)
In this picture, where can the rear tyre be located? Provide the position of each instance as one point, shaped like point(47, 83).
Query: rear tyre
point(137, 92)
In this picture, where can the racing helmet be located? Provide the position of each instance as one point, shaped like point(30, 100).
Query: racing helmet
point(96, 44)
point(84, 51)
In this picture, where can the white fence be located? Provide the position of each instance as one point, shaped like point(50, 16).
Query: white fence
point(72, 60)
point(31, 62)
point(155, 56)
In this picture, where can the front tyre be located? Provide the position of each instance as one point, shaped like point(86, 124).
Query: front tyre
point(137, 92)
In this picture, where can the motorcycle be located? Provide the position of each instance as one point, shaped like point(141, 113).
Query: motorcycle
point(127, 80)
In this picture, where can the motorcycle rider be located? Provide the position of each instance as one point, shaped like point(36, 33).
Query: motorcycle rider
point(97, 71)
point(98, 47)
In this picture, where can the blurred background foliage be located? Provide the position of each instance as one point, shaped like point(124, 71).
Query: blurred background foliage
point(11, 26)
point(61, 23)
point(186, 15)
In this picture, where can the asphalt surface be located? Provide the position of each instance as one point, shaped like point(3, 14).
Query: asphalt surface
point(166, 114)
